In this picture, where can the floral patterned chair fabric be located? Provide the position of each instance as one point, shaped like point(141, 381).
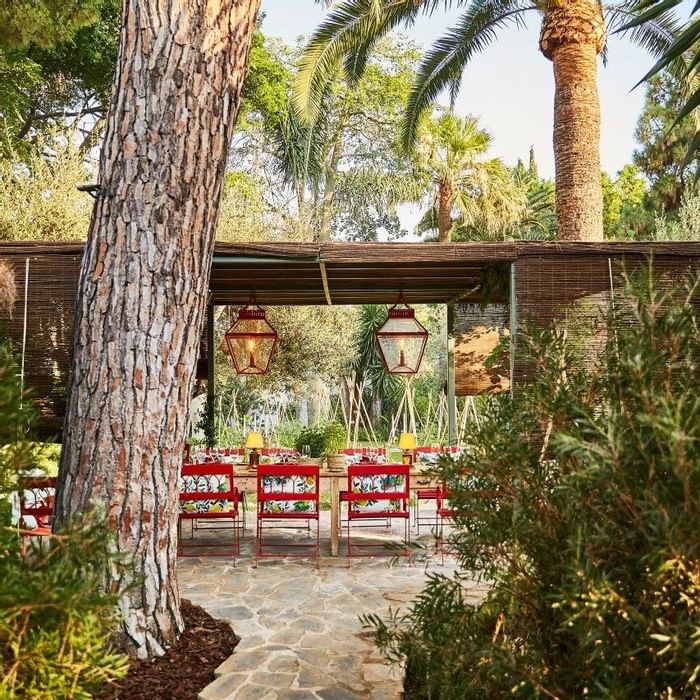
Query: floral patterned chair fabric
point(209, 484)
point(288, 492)
point(207, 491)
point(379, 492)
point(292, 484)
point(374, 485)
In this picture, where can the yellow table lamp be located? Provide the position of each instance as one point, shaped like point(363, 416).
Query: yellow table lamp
point(407, 445)
point(254, 442)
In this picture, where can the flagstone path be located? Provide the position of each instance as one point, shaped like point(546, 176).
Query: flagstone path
point(301, 636)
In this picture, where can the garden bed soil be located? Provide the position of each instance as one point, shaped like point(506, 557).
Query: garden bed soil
point(186, 669)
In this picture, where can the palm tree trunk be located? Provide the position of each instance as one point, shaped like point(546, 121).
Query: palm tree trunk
point(445, 193)
point(572, 36)
point(143, 289)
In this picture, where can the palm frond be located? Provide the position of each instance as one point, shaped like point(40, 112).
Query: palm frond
point(685, 41)
point(347, 35)
point(379, 187)
point(428, 222)
point(656, 34)
point(646, 11)
point(447, 58)
point(299, 148)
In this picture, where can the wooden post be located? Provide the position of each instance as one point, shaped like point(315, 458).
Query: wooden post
point(451, 397)
point(513, 325)
point(211, 367)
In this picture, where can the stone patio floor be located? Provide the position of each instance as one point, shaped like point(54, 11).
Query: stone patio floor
point(301, 636)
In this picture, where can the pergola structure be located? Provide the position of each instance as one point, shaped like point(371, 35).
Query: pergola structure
point(538, 281)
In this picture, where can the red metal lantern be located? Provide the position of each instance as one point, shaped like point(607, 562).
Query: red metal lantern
point(401, 340)
point(251, 340)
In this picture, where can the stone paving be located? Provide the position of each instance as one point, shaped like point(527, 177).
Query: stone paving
point(301, 636)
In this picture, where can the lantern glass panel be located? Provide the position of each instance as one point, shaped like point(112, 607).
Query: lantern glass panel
point(251, 342)
point(402, 343)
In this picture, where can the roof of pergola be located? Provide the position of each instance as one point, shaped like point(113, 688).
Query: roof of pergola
point(349, 273)
point(361, 273)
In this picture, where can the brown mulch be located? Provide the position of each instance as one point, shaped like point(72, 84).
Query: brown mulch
point(186, 669)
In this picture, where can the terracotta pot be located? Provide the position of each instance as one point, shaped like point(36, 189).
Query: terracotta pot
point(336, 462)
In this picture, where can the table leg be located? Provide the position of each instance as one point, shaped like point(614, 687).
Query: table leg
point(335, 514)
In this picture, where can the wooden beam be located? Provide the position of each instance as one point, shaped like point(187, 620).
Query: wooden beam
point(324, 277)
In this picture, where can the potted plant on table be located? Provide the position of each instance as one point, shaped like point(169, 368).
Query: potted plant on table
point(336, 438)
point(321, 441)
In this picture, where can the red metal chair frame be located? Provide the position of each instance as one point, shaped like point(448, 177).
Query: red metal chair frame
point(226, 452)
point(290, 471)
point(432, 493)
point(232, 495)
point(428, 494)
point(41, 509)
point(382, 470)
point(444, 512)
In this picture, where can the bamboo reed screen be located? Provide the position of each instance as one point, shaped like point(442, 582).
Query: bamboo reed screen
point(574, 292)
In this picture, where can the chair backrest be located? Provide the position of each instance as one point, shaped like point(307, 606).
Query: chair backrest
point(36, 500)
point(288, 488)
point(378, 488)
point(207, 488)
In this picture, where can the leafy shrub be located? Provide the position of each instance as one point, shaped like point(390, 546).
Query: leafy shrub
point(322, 439)
point(315, 438)
point(578, 501)
point(55, 621)
point(287, 433)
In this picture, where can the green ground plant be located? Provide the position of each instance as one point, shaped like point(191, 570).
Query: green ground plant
point(578, 500)
point(55, 621)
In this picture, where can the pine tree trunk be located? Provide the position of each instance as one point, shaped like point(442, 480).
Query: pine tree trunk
point(143, 289)
point(572, 36)
point(445, 193)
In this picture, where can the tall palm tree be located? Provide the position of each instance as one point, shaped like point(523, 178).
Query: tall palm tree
point(469, 192)
point(573, 34)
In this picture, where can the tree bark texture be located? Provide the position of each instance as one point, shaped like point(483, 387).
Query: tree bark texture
point(445, 195)
point(573, 33)
point(143, 288)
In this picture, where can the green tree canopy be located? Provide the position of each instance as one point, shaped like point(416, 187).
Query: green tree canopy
point(663, 151)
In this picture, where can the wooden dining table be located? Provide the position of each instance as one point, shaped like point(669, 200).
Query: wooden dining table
point(333, 480)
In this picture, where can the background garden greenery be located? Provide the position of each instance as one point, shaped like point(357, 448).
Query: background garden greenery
point(55, 618)
point(578, 500)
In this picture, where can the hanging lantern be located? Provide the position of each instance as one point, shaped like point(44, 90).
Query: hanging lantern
point(251, 340)
point(401, 340)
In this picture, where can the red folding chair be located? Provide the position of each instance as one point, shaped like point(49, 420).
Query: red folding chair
point(213, 454)
point(36, 502)
point(430, 493)
point(378, 492)
point(287, 493)
point(446, 512)
point(208, 493)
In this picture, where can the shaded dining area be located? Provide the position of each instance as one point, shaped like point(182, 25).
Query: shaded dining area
point(361, 482)
point(368, 506)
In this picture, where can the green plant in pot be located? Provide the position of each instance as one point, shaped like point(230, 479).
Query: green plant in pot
point(313, 438)
point(336, 438)
point(322, 440)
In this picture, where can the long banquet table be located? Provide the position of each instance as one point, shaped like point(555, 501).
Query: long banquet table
point(334, 480)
